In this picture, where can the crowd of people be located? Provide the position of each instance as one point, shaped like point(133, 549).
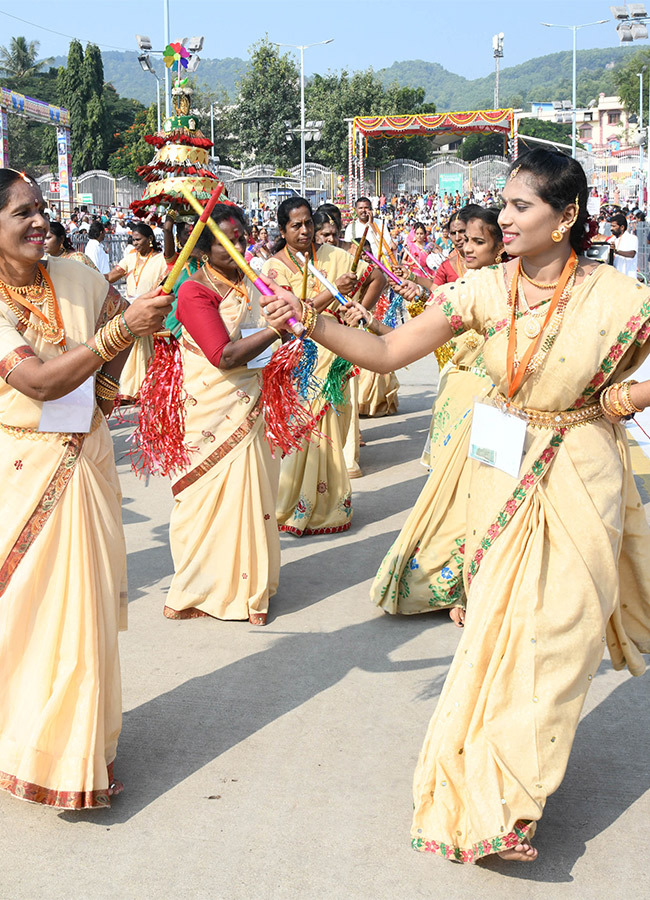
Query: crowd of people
point(530, 497)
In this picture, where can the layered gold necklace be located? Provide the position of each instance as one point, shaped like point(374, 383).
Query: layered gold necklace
point(39, 298)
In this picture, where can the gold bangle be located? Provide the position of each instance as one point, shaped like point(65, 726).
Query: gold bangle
point(104, 393)
point(627, 401)
point(107, 379)
point(275, 330)
point(101, 347)
point(116, 336)
point(614, 398)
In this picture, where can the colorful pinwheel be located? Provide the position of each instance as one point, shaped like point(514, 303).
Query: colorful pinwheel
point(176, 52)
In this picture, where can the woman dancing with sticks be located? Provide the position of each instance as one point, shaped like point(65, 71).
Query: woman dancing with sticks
point(569, 524)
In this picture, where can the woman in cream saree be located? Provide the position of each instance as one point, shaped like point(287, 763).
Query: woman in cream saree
point(315, 496)
point(62, 554)
point(223, 534)
point(556, 558)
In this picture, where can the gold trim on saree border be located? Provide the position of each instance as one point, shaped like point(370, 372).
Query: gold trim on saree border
point(568, 418)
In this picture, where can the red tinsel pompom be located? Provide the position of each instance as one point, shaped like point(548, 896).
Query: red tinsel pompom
point(287, 418)
point(159, 440)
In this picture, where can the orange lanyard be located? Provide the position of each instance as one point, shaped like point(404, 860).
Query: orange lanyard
point(138, 276)
point(515, 379)
point(237, 288)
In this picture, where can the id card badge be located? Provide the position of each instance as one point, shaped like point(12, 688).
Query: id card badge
point(262, 358)
point(497, 437)
point(72, 413)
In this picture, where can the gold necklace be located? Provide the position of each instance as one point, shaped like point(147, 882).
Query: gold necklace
point(553, 327)
point(538, 284)
point(532, 327)
point(237, 288)
point(35, 292)
point(49, 325)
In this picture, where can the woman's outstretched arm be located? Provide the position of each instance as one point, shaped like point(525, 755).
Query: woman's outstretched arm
point(379, 353)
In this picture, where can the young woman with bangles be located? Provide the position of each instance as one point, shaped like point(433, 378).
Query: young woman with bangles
point(62, 553)
point(556, 556)
point(144, 268)
point(226, 497)
point(315, 496)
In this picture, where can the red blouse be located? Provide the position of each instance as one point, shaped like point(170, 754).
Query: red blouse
point(198, 312)
point(445, 273)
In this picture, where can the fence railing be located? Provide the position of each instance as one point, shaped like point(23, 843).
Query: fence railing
point(114, 244)
point(98, 188)
point(95, 189)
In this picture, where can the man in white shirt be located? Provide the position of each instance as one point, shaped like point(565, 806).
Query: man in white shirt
point(355, 229)
point(626, 246)
point(94, 249)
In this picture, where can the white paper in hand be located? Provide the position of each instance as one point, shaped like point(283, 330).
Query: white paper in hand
point(72, 413)
point(263, 357)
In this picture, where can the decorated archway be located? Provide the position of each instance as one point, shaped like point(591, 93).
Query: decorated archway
point(40, 111)
point(442, 127)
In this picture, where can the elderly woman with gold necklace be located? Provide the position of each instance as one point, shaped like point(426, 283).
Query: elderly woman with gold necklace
point(225, 499)
point(64, 336)
point(315, 495)
point(556, 556)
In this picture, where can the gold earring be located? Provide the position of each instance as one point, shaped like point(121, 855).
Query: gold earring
point(499, 257)
point(205, 258)
point(557, 235)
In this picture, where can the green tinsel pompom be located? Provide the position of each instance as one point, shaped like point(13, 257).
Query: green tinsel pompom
point(335, 381)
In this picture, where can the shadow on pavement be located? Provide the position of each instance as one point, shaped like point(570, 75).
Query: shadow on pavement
point(607, 773)
point(171, 737)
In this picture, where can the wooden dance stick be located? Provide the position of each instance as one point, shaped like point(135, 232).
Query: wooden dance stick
point(415, 261)
point(359, 251)
point(186, 251)
point(297, 327)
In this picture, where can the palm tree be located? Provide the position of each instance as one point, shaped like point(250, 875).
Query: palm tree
point(19, 59)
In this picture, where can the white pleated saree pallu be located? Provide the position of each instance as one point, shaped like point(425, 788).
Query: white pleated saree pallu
point(556, 570)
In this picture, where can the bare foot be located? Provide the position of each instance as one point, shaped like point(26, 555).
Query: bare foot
point(257, 618)
point(523, 852)
point(114, 787)
point(457, 616)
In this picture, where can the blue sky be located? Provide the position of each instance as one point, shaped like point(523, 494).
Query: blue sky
point(455, 33)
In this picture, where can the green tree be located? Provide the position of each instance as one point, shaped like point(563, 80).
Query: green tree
point(334, 98)
point(476, 145)
point(19, 59)
point(120, 114)
point(627, 82)
point(96, 130)
point(268, 98)
point(226, 145)
point(550, 131)
point(134, 151)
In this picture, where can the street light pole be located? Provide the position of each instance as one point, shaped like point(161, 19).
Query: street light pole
point(497, 49)
point(302, 48)
point(303, 174)
point(574, 29)
point(640, 77)
point(168, 107)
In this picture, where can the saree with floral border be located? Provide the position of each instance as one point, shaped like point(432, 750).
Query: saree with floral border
point(556, 571)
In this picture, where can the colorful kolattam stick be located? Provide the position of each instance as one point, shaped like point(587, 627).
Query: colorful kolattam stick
point(357, 255)
point(383, 268)
point(297, 327)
